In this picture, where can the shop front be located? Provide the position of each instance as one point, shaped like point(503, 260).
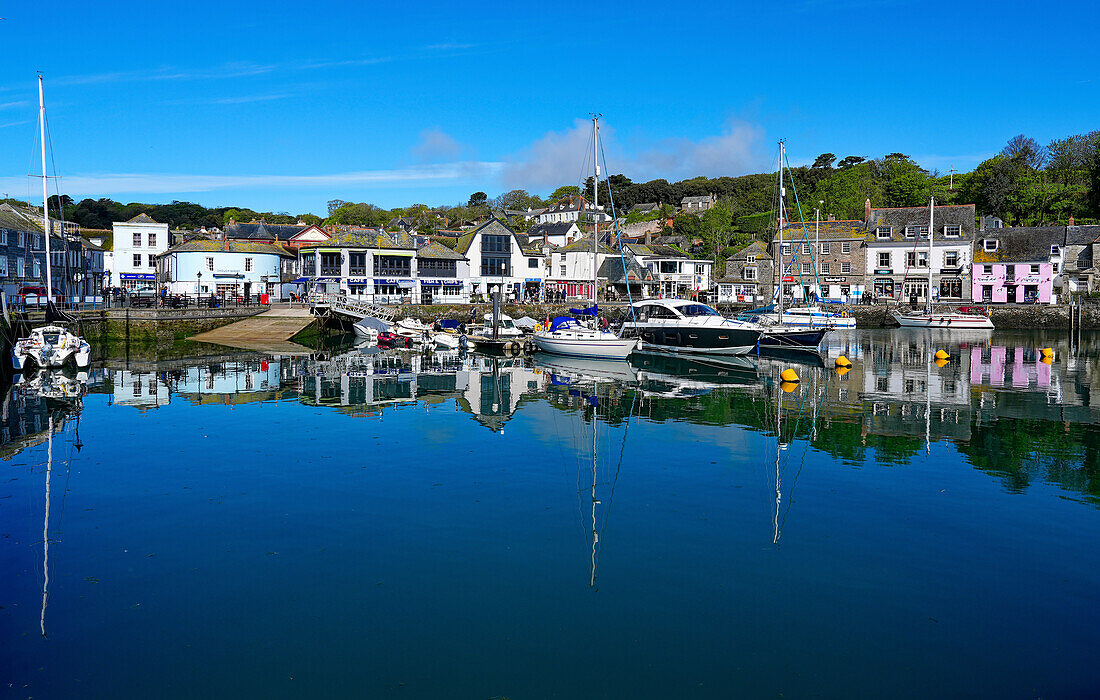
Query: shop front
point(137, 280)
point(393, 290)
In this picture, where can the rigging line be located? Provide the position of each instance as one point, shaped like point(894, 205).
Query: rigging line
point(802, 464)
point(619, 238)
point(802, 220)
point(618, 467)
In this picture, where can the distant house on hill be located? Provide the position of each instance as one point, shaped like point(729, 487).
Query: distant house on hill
point(697, 205)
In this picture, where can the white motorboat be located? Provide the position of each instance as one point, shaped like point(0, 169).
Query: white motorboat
point(567, 336)
point(506, 327)
point(368, 328)
point(50, 347)
point(411, 328)
point(682, 326)
point(447, 341)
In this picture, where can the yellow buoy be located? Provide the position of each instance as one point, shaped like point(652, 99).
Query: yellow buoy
point(1048, 352)
point(841, 371)
point(1046, 359)
point(941, 355)
point(843, 361)
point(789, 375)
point(941, 363)
point(788, 386)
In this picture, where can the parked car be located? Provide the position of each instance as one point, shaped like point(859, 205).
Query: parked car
point(34, 295)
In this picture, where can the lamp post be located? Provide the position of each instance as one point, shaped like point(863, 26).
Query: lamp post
point(198, 286)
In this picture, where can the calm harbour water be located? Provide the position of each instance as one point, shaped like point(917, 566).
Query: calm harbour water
point(398, 526)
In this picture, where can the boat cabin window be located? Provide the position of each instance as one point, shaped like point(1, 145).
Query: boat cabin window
point(697, 310)
point(656, 312)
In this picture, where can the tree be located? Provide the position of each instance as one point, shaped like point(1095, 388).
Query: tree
point(849, 161)
point(1025, 150)
point(825, 160)
point(1069, 159)
point(905, 184)
point(686, 225)
point(334, 204)
point(478, 199)
point(564, 191)
point(1094, 183)
point(309, 219)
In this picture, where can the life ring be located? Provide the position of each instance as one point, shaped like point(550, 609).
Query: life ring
point(538, 327)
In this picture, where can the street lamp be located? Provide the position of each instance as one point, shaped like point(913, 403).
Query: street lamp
point(198, 284)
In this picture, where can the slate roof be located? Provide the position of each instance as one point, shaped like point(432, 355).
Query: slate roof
point(899, 218)
point(438, 251)
point(264, 231)
point(831, 230)
point(142, 218)
point(361, 239)
point(1082, 235)
point(697, 200)
point(755, 248)
point(14, 221)
point(612, 269)
point(584, 245)
point(493, 227)
point(645, 208)
point(1020, 243)
point(657, 250)
point(208, 246)
point(560, 228)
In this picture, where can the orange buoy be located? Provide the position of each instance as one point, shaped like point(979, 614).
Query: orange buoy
point(843, 361)
point(789, 375)
point(941, 355)
point(788, 386)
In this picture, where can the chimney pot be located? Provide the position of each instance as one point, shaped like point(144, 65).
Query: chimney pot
point(867, 211)
point(1072, 221)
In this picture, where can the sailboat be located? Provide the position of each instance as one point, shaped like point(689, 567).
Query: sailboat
point(51, 345)
point(928, 319)
point(798, 326)
point(568, 336)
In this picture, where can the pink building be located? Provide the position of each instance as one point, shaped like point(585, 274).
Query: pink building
point(1000, 283)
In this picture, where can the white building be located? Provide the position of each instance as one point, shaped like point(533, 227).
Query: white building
point(225, 268)
point(571, 268)
point(569, 209)
point(675, 273)
point(498, 262)
point(136, 245)
point(560, 234)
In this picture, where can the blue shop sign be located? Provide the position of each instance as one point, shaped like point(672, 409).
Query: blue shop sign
point(138, 276)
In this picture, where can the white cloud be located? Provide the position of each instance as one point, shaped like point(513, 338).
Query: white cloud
point(559, 158)
point(436, 145)
point(241, 99)
point(10, 105)
point(108, 184)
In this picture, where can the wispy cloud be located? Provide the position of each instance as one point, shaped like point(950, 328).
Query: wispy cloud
point(228, 70)
point(556, 157)
point(109, 184)
point(12, 105)
point(436, 145)
point(25, 121)
point(449, 47)
point(235, 100)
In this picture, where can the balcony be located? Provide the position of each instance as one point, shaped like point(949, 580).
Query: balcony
point(328, 270)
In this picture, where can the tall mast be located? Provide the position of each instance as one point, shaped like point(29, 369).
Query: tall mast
point(817, 246)
point(931, 216)
point(595, 202)
point(45, 195)
point(782, 270)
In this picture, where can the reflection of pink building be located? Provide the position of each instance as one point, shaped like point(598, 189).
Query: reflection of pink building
point(1027, 368)
point(1013, 282)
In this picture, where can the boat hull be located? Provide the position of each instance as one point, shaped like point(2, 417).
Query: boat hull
point(697, 340)
point(946, 321)
point(793, 338)
point(579, 346)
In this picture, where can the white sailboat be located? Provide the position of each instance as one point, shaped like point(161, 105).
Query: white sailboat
point(49, 346)
point(928, 319)
point(567, 336)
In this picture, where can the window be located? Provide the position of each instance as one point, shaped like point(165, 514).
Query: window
point(137, 259)
point(1054, 250)
point(36, 242)
point(1034, 269)
point(152, 260)
point(884, 259)
point(911, 259)
point(1054, 267)
point(750, 259)
point(990, 245)
point(4, 237)
point(20, 241)
point(785, 249)
point(532, 262)
point(494, 266)
point(20, 266)
point(247, 264)
point(845, 268)
point(562, 271)
point(210, 264)
point(952, 230)
point(37, 269)
point(137, 240)
point(882, 232)
point(805, 268)
point(3, 266)
point(152, 240)
point(951, 258)
point(669, 267)
point(749, 273)
point(845, 290)
point(496, 244)
point(911, 231)
point(825, 248)
point(358, 263)
point(825, 268)
point(846, 247)
point(915, 259)
point(805, 250)
point(987, 269)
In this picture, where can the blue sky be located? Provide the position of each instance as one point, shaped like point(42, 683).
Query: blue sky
point(282, 107)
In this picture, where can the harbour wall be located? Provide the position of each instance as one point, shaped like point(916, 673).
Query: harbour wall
point(155, 325)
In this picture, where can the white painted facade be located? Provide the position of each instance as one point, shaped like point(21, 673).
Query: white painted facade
point(135, 247)
point(229, 273)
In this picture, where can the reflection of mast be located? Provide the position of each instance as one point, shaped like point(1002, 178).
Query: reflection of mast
point(778, 447)
point(46, 525)
point(595, 501)
point(928, 391)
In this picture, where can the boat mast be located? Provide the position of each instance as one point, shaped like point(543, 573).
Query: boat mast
point(595, 201)
point(931, 216)
point(817, 250)
point(782, 270)
point(45, 195)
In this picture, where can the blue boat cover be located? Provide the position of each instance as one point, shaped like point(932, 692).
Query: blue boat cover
point(449, 324)
point(593, 310)
point(560, 322)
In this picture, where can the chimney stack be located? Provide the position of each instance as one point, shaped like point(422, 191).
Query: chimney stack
point(1072, 221)
point(867, 211)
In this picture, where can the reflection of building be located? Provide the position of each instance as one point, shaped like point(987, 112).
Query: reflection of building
point(142, 390)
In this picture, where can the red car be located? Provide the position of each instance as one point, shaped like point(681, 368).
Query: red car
point(35, 295)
